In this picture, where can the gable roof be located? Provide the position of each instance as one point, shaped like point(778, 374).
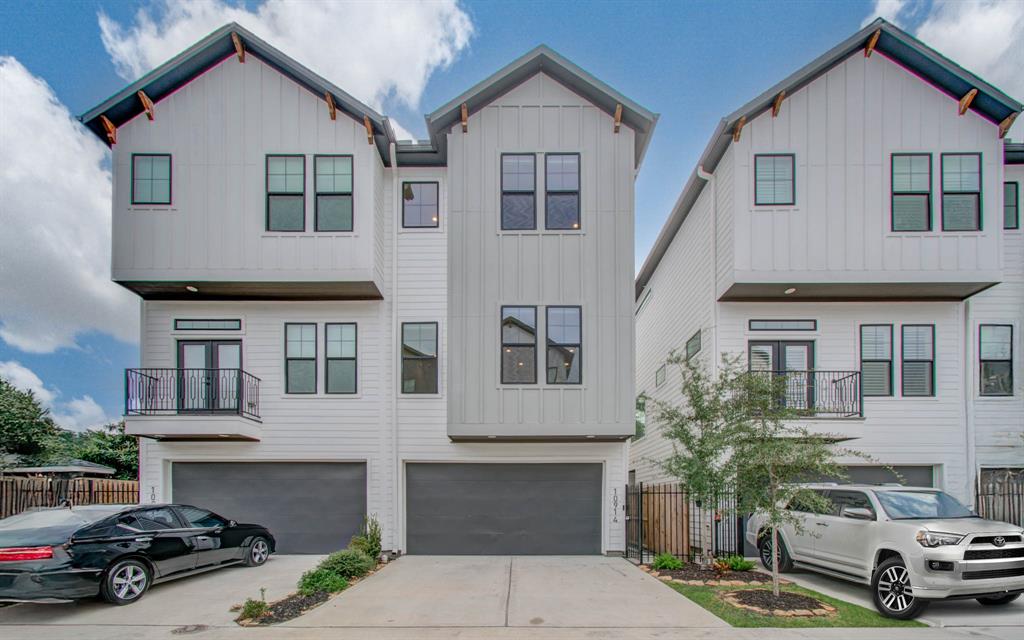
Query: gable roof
point(893, 43)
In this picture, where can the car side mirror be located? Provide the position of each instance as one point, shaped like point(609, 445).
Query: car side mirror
point(857, 513)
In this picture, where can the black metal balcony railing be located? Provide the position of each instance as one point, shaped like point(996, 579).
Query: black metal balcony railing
point(835, 394)
point(191, 391)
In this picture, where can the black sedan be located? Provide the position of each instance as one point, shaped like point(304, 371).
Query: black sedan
point(118, 551)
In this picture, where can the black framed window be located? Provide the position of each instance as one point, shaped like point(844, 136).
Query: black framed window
point(518, 191)
point(641, 417)
point(286, 193)
point(565, 345)
point(562, 191)
point(419, 357)
point(151, 178)
point(911, 192)
point(419, 205)
point(340, 348)
point(918, 364)
point(333, 187)
point(961, 191)
point(876, 359)
point(1011, 205)
point(774, 179)
point(518, 345)
point(783, 325)
point(659, 376)
point(995, 350)
point(299, 357)
point(693, 345)
point(182, 324)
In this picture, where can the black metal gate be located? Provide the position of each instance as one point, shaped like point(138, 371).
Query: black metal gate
point(660, 518)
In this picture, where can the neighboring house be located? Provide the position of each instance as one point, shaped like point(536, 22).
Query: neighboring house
point(335, 323)
point(851, 227)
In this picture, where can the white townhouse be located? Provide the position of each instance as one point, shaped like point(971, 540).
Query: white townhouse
point(856, 226)
point(336, 323)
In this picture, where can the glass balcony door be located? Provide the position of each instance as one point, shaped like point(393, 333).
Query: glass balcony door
point(209, 374)
point(792, 358)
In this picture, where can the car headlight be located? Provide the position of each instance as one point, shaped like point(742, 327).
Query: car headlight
point(934, 539)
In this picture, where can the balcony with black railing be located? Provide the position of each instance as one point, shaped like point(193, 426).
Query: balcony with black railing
point(819, 393)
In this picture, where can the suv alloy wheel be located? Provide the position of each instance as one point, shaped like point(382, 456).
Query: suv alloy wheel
point(892, 592)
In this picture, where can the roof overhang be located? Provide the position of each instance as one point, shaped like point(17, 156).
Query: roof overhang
point(260, 291)
point(854, 291)
point(1013, 153)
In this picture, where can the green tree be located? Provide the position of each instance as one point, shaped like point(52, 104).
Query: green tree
point(109, 445)
point(25, 425)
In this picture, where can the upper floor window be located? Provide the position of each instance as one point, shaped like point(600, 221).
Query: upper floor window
point(300, 358)
point(333, 193)
point(876, 359)
point(419, 205)
point(693, 345)
point(641, 417)
point(918, 359)
point(995, 349)
point(565, 343)
point(286, 193)
point(340, 357)
point(911, 192)
point(151, 178)
point(783, 325)
point(419, 357)
point(562, 186)
point(207, 325)
point(659, 376)
point(518, 191)
point(774, 179)
point(1011, 205)
point(961, 191)
point(518, 345)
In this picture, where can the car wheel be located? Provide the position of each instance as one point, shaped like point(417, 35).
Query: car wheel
point(995, 601)
point(765, 551)
point(258, 552)
point(893, 593)
point(125, 582)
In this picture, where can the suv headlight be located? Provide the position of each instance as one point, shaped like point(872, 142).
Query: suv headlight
point(934, 539)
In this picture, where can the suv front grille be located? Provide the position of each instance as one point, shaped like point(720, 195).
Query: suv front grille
point(989, 539)
point(992, 554)
point(993, 573)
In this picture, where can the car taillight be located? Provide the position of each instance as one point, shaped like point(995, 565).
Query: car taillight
point(20, 554)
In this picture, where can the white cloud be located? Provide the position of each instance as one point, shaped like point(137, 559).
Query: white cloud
point(55, 215)
point(76, 414)
point(376, 51)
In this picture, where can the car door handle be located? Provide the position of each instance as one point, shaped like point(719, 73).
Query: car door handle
point(144, 539)
point(202, 537)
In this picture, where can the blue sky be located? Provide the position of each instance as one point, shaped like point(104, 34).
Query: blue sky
point(692, 62)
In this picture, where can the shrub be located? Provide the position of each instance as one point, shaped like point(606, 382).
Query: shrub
point(348, 563)
point(738, 563)
point(369, 538)
point(253, 609)
point(321, 579)
point(666, 561)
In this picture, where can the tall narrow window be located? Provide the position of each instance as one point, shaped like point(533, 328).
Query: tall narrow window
point(876, 359)
point(659, 376)
point(340, 357)
point(419, 205)
point(333, 193)
point(693, 345)
point(961, 191)
point(300, 358)
point(518, 191)
point(911, 192)
point(996, 353)
point(641, 417)
point(286, 193)
point(518, 345)
point(774, 179)
point(419, 357)
point(565, 343)
point(918, 360)
point(1011, 205)
point(151, 178)
point(562, 186)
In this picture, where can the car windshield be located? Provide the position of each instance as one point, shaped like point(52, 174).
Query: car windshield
point(914, 505)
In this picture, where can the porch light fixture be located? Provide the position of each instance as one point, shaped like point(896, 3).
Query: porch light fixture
point(191, 289)
point(790, 291)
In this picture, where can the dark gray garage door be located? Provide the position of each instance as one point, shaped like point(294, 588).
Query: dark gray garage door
point(503, 509)
point(309, 507)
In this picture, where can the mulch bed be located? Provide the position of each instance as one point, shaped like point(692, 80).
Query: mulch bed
point(696, 575)
point(786, 604)
point(291, 607)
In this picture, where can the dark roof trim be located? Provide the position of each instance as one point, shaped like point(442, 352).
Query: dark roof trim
point(896, 45)
point(1013, 153)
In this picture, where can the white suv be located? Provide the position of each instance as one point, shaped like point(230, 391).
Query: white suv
point(911, 544)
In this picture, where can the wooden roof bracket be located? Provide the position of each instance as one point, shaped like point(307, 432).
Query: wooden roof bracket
point(464, 114)
point(965, 102)
point(331, 109)
point(872, 43)
point(618, 117)
point(736, 130)
point(777, 104)
point(239, 47)
point(147, 104)
point(110, 129)
point(369, 129)
point(1004, 126)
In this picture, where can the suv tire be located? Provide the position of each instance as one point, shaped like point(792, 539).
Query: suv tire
point(764, 551)
point(893, 593)
point(995, 601)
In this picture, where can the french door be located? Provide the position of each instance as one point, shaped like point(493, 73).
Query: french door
point(208, 375)
point(792, 358)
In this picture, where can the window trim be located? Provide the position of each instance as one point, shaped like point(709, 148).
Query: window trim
point(1016, 203)
point(751, 321)
point(548, 344)
point(437, 357)
point(640, 408)
point(501, 209)
point(170, 179)
point(328, 359)
point(904, 360)
point(316, 201)
point(982, 361)
point(893, 193)
point(437, 223)
point(578, 191)
point(501, 337)
point(180, 320)
point(981, 189)
point(891, 360)
point(267, 193)
point(316, 378)
point(792, 157)
point(696, 336)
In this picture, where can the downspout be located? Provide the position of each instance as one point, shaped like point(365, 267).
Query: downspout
point(396, 371)
point(709, 178)
point(968, 411)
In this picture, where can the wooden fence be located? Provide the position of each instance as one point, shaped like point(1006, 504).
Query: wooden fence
point(18, 494)
point(1000, 495)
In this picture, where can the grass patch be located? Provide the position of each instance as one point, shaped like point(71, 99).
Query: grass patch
point(847, 614)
